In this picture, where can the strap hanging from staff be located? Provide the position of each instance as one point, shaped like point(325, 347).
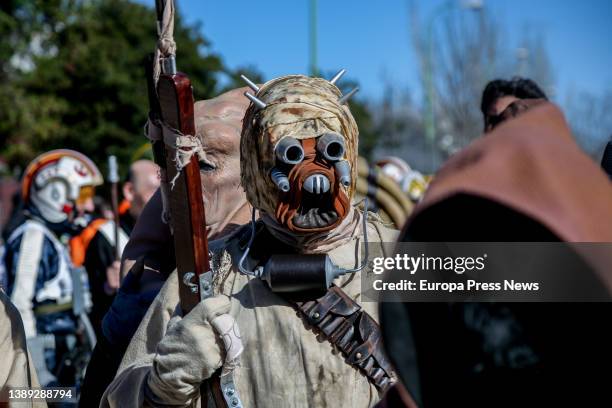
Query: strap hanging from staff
point(165, 53)
point(176, 133)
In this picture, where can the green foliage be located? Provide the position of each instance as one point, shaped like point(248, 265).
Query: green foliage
point(78, 81)
point(72, 76)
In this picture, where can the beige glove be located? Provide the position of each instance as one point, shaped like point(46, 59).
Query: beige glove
point(188, 354)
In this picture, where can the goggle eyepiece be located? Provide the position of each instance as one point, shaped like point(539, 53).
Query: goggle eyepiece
point(289, 150)
point(331, 146)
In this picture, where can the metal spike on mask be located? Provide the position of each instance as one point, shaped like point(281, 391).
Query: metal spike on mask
point(346, 97)
point(250, 83)
point(258, 102)
point(337, 76)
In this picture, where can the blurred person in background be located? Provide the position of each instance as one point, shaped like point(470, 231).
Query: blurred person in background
point(91, 221)
point(410, 181)
point(50, 294)
point(99, 257)
point(103, 208)
point(503, 99)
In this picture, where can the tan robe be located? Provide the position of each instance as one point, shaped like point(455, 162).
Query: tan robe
point(16, 369)
point(283, 363)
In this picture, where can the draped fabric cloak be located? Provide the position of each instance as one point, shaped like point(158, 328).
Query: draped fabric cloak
point(284, 364)
point(525, 181)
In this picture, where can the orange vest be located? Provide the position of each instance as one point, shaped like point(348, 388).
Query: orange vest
point(79, 243)
point(124, 206)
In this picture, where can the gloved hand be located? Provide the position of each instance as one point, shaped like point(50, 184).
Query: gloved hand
point(189, 353)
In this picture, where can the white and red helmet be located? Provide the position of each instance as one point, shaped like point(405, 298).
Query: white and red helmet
point(55, 181)
point(394, 167)
point(411, 181)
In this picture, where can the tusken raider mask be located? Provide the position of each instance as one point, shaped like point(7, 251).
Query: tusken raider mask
point(298, 153)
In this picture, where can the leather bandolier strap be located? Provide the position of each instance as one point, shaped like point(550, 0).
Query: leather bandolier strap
point(336, 316)
point(352, 331)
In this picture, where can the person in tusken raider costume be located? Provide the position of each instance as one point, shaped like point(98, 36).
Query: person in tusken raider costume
point(305, 341)
point(149, 254)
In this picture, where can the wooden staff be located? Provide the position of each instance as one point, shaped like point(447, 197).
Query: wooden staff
point(171, 103)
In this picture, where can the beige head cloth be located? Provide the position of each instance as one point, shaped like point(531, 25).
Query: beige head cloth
point(297, 106)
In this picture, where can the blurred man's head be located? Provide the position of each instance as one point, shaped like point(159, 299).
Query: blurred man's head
point(219, 123)
point(501, 99)
point(143, 180)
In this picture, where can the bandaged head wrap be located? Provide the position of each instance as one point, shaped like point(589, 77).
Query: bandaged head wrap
point(308, 191)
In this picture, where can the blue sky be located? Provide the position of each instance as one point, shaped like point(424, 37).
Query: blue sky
point(372, 40)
